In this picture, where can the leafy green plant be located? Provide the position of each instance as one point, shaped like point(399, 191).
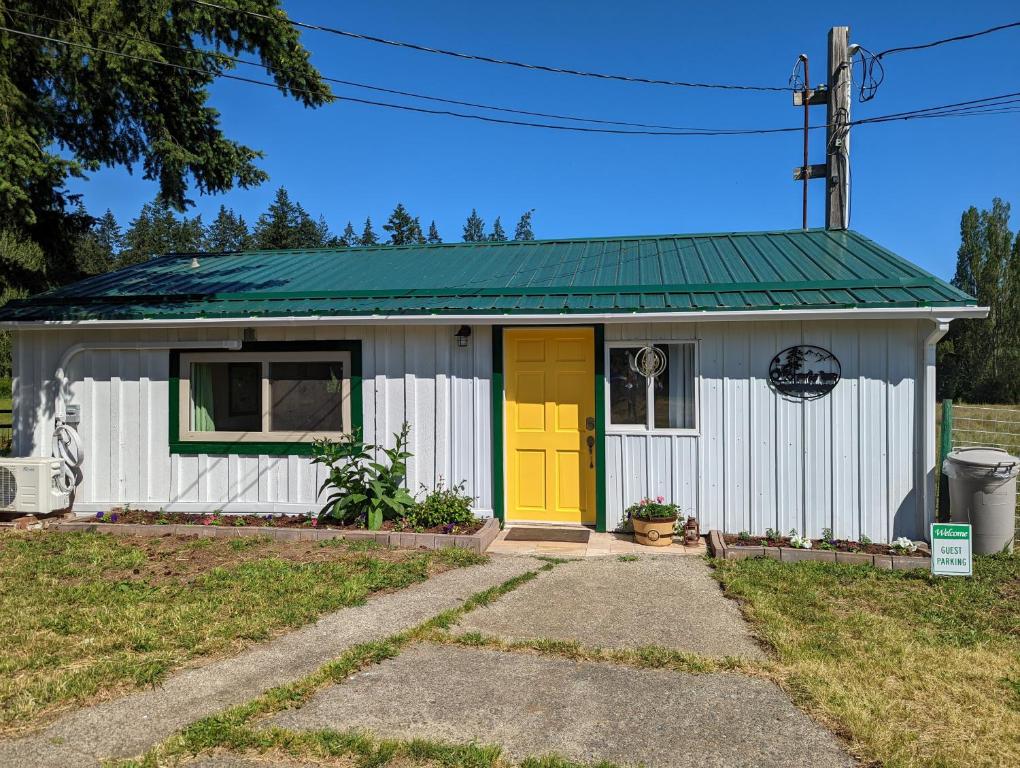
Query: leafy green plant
point(772, 534)
point(361, 488)
point(648, 509)
point(444, 506)
point(799, 542)
point(744, 536)
point(865, 541)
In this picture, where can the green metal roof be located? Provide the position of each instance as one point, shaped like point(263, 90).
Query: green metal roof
point(800, 269)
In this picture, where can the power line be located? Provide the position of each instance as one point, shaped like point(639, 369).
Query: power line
point(946, 110)
point(488, 59)
point(945, 40)
point(219, 55)
point(873, 71)
point(407, 107)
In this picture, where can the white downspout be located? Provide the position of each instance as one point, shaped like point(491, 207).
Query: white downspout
point(928, 452)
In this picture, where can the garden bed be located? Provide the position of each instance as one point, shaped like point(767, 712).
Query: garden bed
point(474, 537)
point(731, 547)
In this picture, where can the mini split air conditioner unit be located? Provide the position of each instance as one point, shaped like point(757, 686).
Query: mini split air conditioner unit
point(29, 486)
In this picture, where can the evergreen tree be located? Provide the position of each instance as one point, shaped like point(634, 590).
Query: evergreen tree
point(976, 357)
point(157, 230)
point(498, 234)
point(402, 227)
point(523, 230)
point(96, 249)
point(287, 225)
point(433, 233)
point(349, 239)
point(228, 232)
point(416, 233)
point(474, 228)
point(368, 235)
point(65, 112)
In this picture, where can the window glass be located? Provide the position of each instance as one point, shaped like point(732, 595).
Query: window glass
point(226, 397)
point(673, 389)
point(306, 396)
point(628, 391)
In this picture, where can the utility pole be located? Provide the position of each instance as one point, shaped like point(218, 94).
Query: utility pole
point(836, 97)
point(837, 132)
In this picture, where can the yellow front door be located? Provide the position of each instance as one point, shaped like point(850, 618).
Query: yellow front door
point(550, 419)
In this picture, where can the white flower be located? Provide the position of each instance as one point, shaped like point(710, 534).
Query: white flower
point(904, 544)
point(800, 542)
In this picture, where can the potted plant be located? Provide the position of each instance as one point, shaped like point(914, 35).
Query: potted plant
point(653, 521)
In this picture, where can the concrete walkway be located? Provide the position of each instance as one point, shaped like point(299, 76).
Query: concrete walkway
point(130, 725)
point(655, 600)
point(598, 545)
point(535, 705)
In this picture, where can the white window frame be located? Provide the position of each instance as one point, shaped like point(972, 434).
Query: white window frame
point(265, 435)
point(649, 428)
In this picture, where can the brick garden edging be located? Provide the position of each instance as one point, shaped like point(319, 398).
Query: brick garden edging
point(476, 542)
point(721, 549)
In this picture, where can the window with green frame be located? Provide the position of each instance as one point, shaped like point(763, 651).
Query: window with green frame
point(266, 398)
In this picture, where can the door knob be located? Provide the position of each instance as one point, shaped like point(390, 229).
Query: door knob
point(591, 452)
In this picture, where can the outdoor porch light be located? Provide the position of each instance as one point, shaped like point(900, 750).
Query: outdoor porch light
point(462, 335)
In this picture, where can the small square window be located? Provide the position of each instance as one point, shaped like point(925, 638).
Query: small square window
point(664, 401)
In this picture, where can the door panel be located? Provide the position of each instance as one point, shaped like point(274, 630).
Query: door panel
point(550, 395)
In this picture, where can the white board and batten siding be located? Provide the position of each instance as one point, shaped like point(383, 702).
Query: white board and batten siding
point(412, 373)
point(849, 461)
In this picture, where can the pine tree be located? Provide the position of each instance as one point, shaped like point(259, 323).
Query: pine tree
point(416, 234)
point(401, 227)
point(349, 239)
point(97, 248)
point(228, 232)
point(286, 224)
point(368, 235)
point(523, 230)
point(157, 230)
point(498, 234)
point(975, 358)
point(433, 233)
point(474, 228)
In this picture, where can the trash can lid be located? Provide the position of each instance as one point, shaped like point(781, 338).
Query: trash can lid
point(980, 456)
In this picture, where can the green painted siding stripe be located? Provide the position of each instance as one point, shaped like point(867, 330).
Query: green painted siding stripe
point(498, 500)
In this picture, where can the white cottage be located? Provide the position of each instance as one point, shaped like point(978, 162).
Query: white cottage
point(773, 379)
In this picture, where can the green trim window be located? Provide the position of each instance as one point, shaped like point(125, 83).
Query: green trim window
point(265, 398)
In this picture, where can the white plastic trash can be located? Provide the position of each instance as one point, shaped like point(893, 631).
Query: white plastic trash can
point(982, 492)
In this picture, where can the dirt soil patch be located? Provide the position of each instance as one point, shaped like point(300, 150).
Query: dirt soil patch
point(119, 515)
point(839, 545)
point(180, 559)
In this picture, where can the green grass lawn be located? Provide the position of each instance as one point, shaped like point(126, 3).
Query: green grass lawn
point(913, 670)
point(85, 615)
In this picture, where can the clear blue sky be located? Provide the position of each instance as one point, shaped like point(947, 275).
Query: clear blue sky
point(911, 180)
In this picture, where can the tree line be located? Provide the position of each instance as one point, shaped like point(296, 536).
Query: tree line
point(157, 229)
point(979, 360)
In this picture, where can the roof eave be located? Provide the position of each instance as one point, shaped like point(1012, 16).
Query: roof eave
point(938, 313)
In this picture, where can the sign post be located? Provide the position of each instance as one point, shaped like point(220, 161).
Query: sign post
point(951, 553)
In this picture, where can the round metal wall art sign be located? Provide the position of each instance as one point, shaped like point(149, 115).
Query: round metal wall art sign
point(805, 371)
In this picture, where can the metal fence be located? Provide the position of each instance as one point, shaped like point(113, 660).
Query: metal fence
point(962, 425)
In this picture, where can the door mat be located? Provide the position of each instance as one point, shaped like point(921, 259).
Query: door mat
point(571, 535)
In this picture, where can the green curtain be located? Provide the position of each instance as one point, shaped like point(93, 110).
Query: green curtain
point(202, 397)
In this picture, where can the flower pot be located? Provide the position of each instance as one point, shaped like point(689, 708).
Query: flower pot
point(654, 533)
